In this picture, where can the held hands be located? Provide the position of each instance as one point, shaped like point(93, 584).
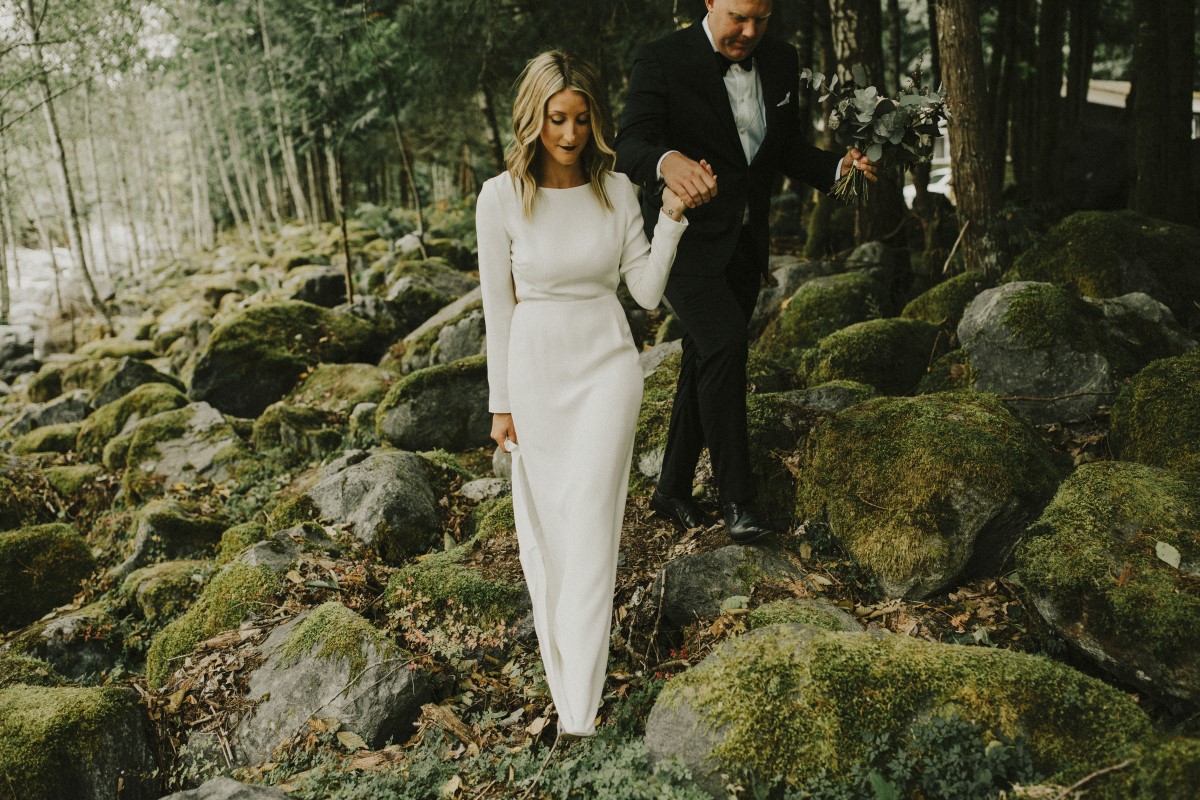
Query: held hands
point(502, 428)
point(854, 159)
point(672, 206)
point(693, 182)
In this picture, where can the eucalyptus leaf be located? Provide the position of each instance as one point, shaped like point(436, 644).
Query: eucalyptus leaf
point(860, 74)
point(874, 152)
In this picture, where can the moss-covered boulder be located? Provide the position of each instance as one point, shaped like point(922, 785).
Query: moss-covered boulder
point(1106, 254)
point(493, 518)
point(443, 338)
point(446, 579)
point(233, 593)
point(166, 530)
point(237, 538)
point(41, 567)
point(19, 668)
point(78, 743)
point(798, 704)
point(333, 664)
point(923, 491)
point(181, 446)
point(1058, 356)
point(257, 355)
point(161, 592)
point(300, 432)
point(1156, 418)
point(118, 348)
point(818, 308)
point(311, 283)
point(338, 388)
point(119, 416)
point(444, 406)
point(803, 611)
point(71, 407)
point(889, 355)
point(1167, 769)
point(945, 302)
point(46, 384)
point(26, 498)
point(79, 643)
point(48, 439)
point(1113, 565)
point(110, 379)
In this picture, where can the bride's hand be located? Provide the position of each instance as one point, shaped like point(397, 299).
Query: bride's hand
point(502, 428)
point(672, 205)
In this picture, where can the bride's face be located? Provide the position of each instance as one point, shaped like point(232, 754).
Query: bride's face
point(567, 126)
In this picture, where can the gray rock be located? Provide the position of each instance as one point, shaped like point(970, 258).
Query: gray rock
point(332, 664)
point(650, 358)
point(130, 374)
point(831, 397)
point(362, 426)
point(1077, 351)
point(224, 788)
point(189, 319)
point(438, 407)
point(77, 643)
point(437, 278)
point(386, 499)
point(280, 551)
point(165, 530)
point(502, 464)
point(324, 286)
point(697, 584)
point(461, 339)
point(71, 407)
point(16, 351)
point(445, 314)
point(787, 274)
point(407, 245)
point(485, 489)
point(208, 446)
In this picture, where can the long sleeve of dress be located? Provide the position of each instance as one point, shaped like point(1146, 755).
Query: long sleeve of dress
point(645, 266)
point(499, 296)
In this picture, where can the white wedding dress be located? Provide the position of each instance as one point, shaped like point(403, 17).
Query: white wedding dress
point(562, 361)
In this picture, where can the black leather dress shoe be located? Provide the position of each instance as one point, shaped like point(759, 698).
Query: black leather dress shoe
point(680, 510)
point(745, 523)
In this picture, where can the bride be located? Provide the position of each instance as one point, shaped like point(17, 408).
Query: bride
point(557, 231)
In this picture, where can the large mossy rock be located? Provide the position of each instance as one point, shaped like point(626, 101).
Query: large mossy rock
point(80, 643)
point(47, 439)
point(1106, 254)
point(338, 388)
point(945, 302)
point(923, 491)
point(818, 308)
point(181, 446)
point(77, 743)
point(299, 432)
point(41, 567)
point(233, 593)
point(446, 579)
point(329, 663)
point(1114, 566)
point(167, 530)
point(444, 338)
point(438, 407)
point(1060, 356)
point(797, 703)
point(1156, 419)
point(223, 788)
point(257, 355)
point(163, 591)
point(70, 407)
point(110, 379)
point(692, 587)
point(120, 415)
point(26, 497)
point(889, 355)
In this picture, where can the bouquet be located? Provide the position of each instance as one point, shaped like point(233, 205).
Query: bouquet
point(892, 133)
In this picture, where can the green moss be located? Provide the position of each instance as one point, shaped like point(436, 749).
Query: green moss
point(25, 497)
point(164, 590)
point(300, 432)
point(112, 418)
point(424, 343)
point(885, 473)
point(818, 308)
point(236, 539)
point(116, 452)
point(339, 633)
point(1156, 418)
point(169, 426)
point(40, 567)
point(890, 355)
point(945, 302)
point(496, 518)
point(1105, 254)
point(951, 372)
point(1170, 769)
point(1043, 313)
point(825, 692)
point(803, 612)
point(443, 579)
point(232, 594)
point(20, 668)
point(339, 388)
point(47, 439)
point(51, 738)
point(438, 375)
point(116, 348)
point(292, 512)
point(70, 481)
point(1093, 555)
point(46, 384)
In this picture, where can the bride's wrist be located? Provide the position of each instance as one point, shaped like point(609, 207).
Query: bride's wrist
point(674, 213)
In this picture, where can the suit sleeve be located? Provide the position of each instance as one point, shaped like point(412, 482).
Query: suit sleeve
point(802, 161)
point(645, 267)
point(499, 296)
point(643, 126)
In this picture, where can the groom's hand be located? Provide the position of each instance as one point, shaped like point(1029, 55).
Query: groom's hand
point(693, 181)
point(854, 159)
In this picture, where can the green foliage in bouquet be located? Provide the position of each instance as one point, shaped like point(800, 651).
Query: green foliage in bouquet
point(894, 133)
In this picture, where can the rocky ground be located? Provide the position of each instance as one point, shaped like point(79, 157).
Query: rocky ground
point(254, 543)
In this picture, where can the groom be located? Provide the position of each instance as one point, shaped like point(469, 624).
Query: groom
point(721, 91)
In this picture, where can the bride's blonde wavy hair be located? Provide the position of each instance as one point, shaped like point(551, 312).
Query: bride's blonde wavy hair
point(544, 76)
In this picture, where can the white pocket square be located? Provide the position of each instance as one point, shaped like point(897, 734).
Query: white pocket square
point(785, 100)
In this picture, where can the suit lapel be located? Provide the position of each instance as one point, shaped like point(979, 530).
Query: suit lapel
point(772, 79)
point(706, 78)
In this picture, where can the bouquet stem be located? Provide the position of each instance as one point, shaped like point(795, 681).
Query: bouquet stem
point(853, 187)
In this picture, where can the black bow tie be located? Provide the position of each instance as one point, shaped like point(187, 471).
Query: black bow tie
point(724, 63)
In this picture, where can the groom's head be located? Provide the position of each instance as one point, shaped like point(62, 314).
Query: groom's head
point(737, 25)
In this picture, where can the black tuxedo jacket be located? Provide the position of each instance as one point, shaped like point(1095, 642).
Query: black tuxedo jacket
point(677, 101)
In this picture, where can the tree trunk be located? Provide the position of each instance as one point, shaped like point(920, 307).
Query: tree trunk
point(858, 39)
point(9, 241)
point(91, 137)
point(310, 165)
point(402, 146)
point(1023, 102)
point(202, 223)
point(491, 127)
point(268, 170)
point(1085, 22)
point(1164, 61)
point(895, 23)
point(74, 231)
point(1047, 176)
point(287, 148)
point(817, 241)
point(223, 174)
point(1001, 74)
point(126, 206)
point(975, 186)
